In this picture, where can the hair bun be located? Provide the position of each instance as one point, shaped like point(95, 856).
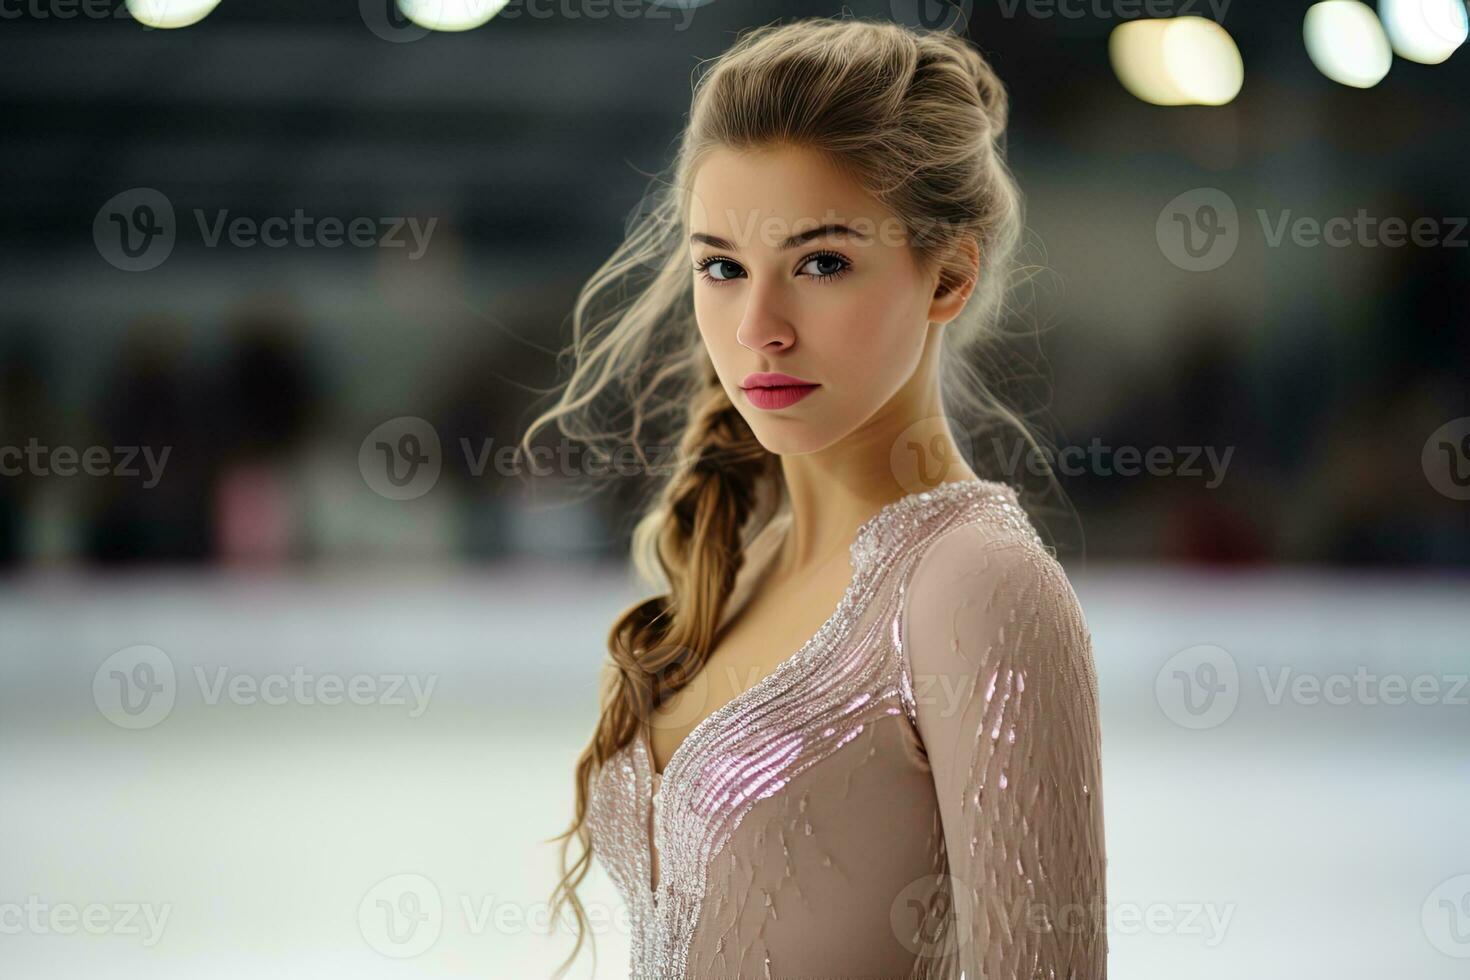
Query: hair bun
point(961, 53)
point(993, 95)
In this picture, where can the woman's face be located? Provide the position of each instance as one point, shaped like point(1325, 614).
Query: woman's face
point(847, 310)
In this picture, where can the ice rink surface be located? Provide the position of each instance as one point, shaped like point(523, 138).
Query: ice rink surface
point(352, 774)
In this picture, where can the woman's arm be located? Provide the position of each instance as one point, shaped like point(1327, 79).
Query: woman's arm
point(1005, 702)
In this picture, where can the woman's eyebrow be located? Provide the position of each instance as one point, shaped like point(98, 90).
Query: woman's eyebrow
point(799, 238)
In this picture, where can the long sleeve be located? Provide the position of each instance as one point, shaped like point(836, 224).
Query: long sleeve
point(1004, 698)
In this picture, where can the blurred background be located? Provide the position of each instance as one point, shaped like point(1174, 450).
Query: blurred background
point(267, 708)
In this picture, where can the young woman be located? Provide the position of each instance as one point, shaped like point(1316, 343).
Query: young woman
point(855, 733)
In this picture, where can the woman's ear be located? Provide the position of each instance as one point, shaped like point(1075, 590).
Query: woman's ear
point(957, 279)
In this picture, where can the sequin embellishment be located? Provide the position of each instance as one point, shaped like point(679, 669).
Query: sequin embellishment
point(836, 686)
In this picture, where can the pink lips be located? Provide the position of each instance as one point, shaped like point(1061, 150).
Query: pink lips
point(771, 389)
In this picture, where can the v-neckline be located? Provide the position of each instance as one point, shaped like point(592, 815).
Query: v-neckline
point(860, 561)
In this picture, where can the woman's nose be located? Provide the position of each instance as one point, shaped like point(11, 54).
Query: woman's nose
point(764, 327)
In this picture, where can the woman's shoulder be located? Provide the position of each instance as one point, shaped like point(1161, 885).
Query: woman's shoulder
point(982, 570)
point(1008, 567)
point(949, 517)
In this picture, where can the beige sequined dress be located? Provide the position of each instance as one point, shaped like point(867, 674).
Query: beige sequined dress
point(912, 794)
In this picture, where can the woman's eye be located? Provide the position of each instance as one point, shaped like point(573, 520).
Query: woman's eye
point(825, 265)
point(720, 275)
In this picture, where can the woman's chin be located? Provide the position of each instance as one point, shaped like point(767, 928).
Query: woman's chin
point(790, 437)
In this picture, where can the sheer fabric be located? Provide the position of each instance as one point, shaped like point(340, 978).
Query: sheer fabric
point(913, 794)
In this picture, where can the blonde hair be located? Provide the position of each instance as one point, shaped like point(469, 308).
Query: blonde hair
point(919, 119)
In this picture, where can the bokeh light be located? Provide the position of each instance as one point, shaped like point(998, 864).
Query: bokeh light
point(450, 15)
point(1426, 31)
point(1346, 43)
point(170, 13)
point(1177, 61)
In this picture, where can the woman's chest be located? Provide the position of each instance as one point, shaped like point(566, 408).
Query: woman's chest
point(790, 836)
point(771, 627)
